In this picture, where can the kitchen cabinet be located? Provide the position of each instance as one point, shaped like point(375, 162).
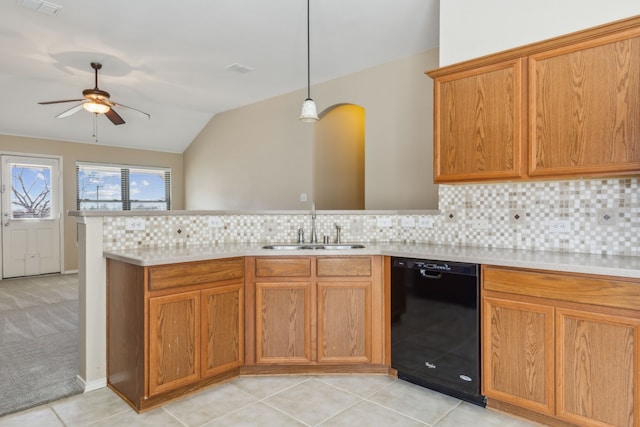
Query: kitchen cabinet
point(585, 108)
point(314, 311)
point(560, 347)
point(561, 108)
point(172, 329)
point(478, 123)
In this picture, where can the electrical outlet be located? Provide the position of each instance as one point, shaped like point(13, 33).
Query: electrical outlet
point(425, 222)
point(560, 226)
point(135, 224)
point(215, 222)
point(384, 222)
point(408, 222)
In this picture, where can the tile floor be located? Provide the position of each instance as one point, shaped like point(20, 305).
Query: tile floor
point(347, 400)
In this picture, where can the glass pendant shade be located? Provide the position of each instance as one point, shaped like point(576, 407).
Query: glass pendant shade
point(309, 112)
point(96, 107)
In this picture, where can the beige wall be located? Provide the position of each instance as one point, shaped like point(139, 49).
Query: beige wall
point(260, 156)
point(72, 152)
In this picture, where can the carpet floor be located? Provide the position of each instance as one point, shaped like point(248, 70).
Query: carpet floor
point(38, 341)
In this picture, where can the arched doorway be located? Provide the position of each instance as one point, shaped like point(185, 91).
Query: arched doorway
point(339, 158)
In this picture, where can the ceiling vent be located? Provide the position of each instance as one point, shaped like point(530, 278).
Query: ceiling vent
point(240, 69)
point(41, 6)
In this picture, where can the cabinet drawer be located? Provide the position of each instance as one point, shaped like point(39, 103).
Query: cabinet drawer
point(581, 288)
point(195, 273)
point(283, 267)
point(331, 267)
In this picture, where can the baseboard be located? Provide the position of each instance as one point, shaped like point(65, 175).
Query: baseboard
point(70, 272)
point(91, 385)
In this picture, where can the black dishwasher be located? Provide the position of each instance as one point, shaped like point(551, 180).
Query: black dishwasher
point(435, 326)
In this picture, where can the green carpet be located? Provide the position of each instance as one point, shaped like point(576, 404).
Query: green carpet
point(38, 341)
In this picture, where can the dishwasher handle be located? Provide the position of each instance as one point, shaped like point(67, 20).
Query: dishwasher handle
point(429, 275)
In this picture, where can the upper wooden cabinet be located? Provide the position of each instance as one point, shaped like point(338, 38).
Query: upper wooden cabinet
point(584, 108)
point(478, 123)
point(564, 107)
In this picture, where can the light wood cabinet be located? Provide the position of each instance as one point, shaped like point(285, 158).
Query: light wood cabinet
point(478, 123)
point(585, 108)
point(314, 311)
point(172, 329)
point(518, 353)
point(566, 346)
point(564, 107)
point(174, 344)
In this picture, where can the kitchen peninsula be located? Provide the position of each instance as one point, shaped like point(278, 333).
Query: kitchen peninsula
point(97, 231)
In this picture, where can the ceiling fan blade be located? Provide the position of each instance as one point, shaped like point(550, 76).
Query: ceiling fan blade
point(132, 109)
point(69, 112)
point(59, 102)
point(114, 117)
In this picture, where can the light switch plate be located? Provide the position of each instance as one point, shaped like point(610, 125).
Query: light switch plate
point(425, 222)
point(408, 222)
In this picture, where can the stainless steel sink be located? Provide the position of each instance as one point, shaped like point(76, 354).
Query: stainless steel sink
point(302, 246)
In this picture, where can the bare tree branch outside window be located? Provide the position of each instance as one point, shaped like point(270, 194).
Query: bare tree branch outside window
point(31, 194)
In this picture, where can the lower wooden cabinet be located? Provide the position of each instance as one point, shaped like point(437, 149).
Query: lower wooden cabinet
point(315, 311)
point(518, 353)
point(174, 341)
point(566, 346)
point(172, 329)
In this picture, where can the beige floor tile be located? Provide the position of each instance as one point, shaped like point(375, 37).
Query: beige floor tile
point(417, 402)
point(362, 385)
point(154, 418)
point(312, 401)
point(366, 414)
point(91, 407)
point(256, 415)
point(42, 417)
point(264, 386)
point(467, 414)
point(208, 405)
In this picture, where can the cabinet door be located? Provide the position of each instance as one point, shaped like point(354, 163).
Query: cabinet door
point(597, 368)
point(344, 322)
point(222, 329)
point(479, 123)
point(585, 109)
point(517, 353)
point(283, 322)
point(174, 341)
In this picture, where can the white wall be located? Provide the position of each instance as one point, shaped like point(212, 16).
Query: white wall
point(471, 28)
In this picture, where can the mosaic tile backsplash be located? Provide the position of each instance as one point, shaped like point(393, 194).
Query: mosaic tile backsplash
point(593, 216)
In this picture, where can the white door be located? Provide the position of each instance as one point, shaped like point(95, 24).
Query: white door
point(30, 216)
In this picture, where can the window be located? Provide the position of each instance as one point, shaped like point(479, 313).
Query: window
point(117, 187)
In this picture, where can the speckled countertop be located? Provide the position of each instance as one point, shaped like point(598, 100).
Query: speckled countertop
point(558, 261)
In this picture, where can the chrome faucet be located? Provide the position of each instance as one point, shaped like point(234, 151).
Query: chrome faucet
point(300, 236)
point(314, 235)
point(338, 238)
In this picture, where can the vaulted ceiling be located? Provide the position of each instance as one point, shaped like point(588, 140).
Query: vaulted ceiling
point(171, 59)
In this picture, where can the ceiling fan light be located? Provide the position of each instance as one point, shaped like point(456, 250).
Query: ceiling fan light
point(309, 112)
point(96, 107)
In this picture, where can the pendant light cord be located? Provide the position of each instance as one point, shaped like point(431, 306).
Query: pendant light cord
point(308, 54)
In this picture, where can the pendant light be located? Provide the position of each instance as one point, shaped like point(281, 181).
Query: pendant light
point(309, 113)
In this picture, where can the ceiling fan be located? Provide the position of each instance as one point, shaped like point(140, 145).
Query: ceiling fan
point(95, 101)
